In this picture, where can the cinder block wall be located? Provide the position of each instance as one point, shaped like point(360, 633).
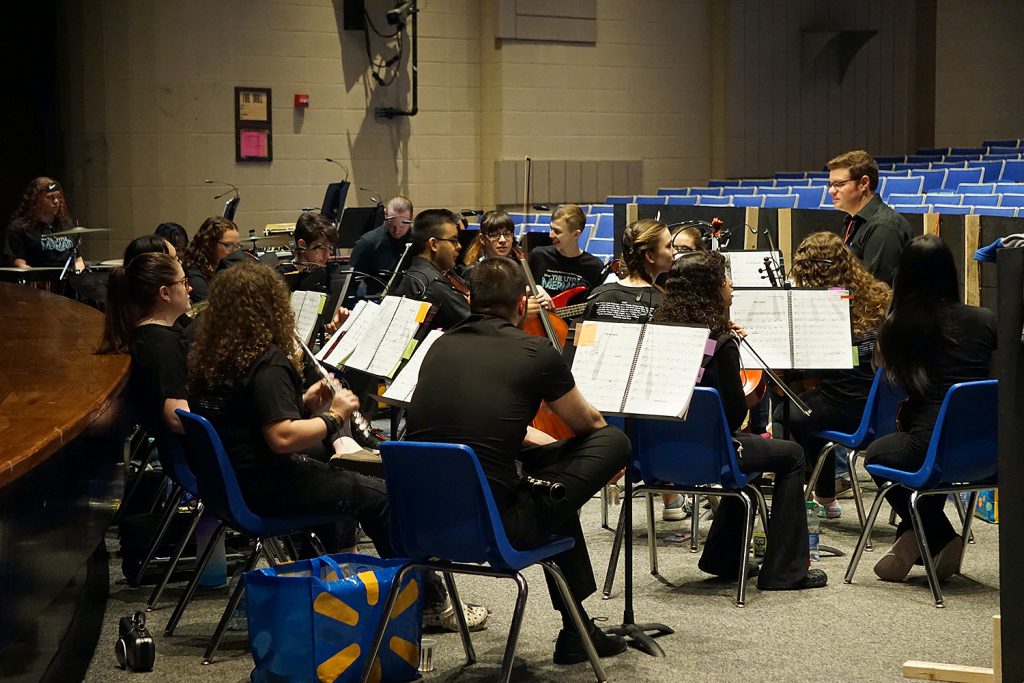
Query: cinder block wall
point(147, 105)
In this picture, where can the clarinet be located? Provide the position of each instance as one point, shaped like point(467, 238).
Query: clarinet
point(552, 489)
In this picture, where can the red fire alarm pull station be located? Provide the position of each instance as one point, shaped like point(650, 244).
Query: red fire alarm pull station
point(301, 101)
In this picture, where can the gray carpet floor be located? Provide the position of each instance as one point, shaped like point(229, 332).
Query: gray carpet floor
point(858, 632)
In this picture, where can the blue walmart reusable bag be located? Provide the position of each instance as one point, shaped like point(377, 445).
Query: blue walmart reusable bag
point(314, 620)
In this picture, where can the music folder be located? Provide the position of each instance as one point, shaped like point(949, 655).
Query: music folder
point(641, 369)
point(376, 337)
point(401, 390)
point(795, 329)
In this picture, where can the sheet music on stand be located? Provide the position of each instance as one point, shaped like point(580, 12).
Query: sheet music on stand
point(341, 345)
point(307, 307)
point(381, 337)
point(805, 329)
point(638, 369)
point(747, 267)
point(402, 389)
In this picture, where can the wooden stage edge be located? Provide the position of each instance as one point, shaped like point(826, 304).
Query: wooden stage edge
point(53, 387)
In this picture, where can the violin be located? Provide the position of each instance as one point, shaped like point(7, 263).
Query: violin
point(457, 283)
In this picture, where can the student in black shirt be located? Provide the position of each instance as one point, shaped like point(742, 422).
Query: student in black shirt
point(216, 238)
point(501, 375)
point(309, 270)
point(377, 252)
point(435, 241)
point(928, 342)
point(837, 401)
point(874, 232)
point(28, 241)
point(699, 292)
point(646, 254)
point(175, 235)
point(497, 237)
point(145, 298)
point(243, 377)
point(563, 265)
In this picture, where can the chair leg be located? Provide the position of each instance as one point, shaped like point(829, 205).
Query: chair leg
point(748, 532)
point(317, 544)
point(613, 557)
point(460, 617)
point(816, 472)
point(190, 590)
point(165, 523)
point(694, 522)
point(513, 633)
point(389, 605)
point(133, 450)
point(959, 502)
point(652, 540)
point(762, 508)
point(926, 552)
point(866, 531)
point(858, 499)
point(972, 504)
point(581, 628)
point(604, 507)
point(236, 597)
point(172, 564)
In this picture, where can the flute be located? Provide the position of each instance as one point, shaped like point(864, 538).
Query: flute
point(321, 370)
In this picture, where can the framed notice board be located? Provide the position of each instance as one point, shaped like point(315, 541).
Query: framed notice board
point(254, 139)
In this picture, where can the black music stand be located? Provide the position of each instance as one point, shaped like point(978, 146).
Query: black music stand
point(334, 201)
point(636, 633)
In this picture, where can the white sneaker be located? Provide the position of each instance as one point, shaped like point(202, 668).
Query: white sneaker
point(677, 510)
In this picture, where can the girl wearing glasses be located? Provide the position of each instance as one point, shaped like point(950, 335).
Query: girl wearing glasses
point(217, 237)
point(698, 291)
point(497, 238)
point(838, 400)
point(145, 299)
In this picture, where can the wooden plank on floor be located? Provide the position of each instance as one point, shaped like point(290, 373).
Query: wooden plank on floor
point(930, 671)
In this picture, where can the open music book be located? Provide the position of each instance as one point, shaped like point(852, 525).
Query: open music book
point(805, 329)
point(747, 267)
point(401, 390)
point(375, 337)
point(307, 307)
point(638, 369)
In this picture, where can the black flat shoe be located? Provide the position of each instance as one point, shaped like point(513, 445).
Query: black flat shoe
point(569, 648)
point(753, 569)
point(816, 578)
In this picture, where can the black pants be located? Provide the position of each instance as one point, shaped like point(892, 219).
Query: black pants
point(582, 465)
point(301, 486)
point(906, 451)
point(787, 555)
point(825, 414)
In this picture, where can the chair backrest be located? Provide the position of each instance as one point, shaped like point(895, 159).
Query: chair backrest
point(696, 451)
point(440, 503)
point(896, 185)
point(780, 201)
point(1013, 171)
point(883, 401)
point(218, 485)
point(809, 197)
point(172, 458)
point(712, 200)
point(962, 175)
point(964, 445)
point(756, 201)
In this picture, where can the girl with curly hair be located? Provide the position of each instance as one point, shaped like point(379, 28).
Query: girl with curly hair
point(216, 238)
point(244, 377)
point(822, 260)
point(28, 241)
point(698, 291)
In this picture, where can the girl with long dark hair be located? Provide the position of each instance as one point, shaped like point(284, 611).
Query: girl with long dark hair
point(698, 291)
point(216, 238)
point(928, 342)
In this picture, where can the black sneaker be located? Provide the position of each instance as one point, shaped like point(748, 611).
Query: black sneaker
point(569, 648)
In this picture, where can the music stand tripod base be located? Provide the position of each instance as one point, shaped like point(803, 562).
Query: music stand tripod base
point(635, 633)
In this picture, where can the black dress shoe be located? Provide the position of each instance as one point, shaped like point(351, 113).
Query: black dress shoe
point(569, 648)
point(816, 578)
point(753, 569)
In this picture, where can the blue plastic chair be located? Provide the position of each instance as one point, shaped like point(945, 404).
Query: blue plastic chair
point(781, 201)
point(222, 497)
point(879, 419)
point(695, 456)
point(459, 536)
point(962, 456)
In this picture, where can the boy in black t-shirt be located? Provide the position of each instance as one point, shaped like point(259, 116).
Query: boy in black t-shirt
point(563, 265)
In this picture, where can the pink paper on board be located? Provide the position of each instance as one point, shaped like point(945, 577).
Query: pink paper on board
point(254, 144)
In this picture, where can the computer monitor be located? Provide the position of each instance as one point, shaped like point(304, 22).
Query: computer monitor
point(334, 200)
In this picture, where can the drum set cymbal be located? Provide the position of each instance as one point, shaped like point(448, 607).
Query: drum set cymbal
point(78, 231)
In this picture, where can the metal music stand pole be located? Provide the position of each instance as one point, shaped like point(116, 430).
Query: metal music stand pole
point(636, 633)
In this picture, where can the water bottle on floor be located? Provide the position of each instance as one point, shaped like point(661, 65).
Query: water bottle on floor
point(813, 530)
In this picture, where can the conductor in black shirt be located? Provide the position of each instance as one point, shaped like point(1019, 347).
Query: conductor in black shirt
point(501, 375)
point(435, 242)
point(874, 232)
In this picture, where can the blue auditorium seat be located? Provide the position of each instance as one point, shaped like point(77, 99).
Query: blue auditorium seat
point(705, 191)
point(993, 168)
point(933, 179)
point(748, 200)
point(950, 209)
point(1013, 171)
point(1004, 211)
point(894, 185)
point(955, 176)
point(733, 191)
point(1013, 200)
point(651, 199)
point(786, 182)
point(682, 201)
point(781, 201)
point(712, 200)
point(912, 208)
point(809, 197)
point(976, 188)
point(981, 199)
point(905, 199)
